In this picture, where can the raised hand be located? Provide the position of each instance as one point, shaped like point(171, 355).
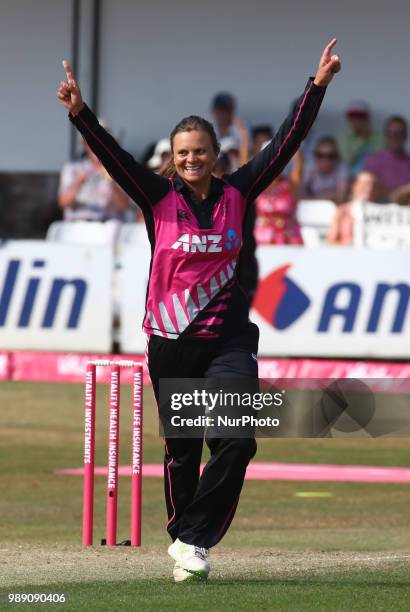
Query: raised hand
point(329, 65)
point(69, 93)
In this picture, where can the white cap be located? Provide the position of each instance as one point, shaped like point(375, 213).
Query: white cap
point(229, 143)
point(162, 146)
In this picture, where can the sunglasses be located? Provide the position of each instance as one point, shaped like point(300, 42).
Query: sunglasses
point(323, 155)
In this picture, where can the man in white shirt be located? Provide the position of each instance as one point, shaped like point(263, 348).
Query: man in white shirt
point(88, 193)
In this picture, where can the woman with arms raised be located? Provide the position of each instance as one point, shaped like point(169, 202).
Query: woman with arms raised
point(196, 310)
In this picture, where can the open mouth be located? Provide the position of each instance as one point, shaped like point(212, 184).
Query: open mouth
point(193, 169)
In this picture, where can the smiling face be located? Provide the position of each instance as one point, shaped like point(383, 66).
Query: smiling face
point(194, 156)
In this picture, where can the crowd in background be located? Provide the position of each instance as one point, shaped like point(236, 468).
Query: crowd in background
point(359, 165)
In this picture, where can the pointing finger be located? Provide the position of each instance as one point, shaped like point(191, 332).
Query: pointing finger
point(68, 70)
point(327, 50)
point(331, 44)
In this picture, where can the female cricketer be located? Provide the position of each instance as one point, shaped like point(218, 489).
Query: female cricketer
point(196, 309)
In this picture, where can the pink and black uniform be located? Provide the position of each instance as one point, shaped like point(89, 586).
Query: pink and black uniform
point(196, 306)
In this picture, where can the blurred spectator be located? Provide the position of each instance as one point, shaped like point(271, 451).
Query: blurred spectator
point(223, 111)
point(230, 130)
point(276, 208)
point(231, 148)
point(364, 189)
point(328, 178)
point(360, 140)
point(260, 135)
point(161, 155)
point(88, 193)
point(392, 165)
point(401, 195)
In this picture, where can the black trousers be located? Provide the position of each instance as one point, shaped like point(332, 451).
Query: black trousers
point(200, 509)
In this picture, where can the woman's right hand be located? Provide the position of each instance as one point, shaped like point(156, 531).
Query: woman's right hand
point(69, 93)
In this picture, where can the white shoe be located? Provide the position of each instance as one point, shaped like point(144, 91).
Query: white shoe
point(191, 561)
point(183, 575)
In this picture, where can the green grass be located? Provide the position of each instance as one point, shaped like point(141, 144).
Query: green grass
point(350, 591)
point(41, 430)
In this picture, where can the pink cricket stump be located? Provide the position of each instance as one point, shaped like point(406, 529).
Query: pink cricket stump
point(136, 471)
point(89, 452)
point(113, 440)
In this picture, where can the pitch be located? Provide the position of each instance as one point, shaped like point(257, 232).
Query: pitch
point(344, 551)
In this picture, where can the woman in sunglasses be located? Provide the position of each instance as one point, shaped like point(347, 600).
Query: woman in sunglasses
point(328, 177)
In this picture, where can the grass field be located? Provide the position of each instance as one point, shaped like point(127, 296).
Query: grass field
point(350, 551)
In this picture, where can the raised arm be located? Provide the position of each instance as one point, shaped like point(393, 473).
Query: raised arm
point(255, 176)
point(143, 186)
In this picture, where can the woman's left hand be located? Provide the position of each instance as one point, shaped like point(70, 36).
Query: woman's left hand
point(329, 65)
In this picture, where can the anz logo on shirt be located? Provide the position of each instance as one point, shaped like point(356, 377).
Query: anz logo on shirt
point(212, 243)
